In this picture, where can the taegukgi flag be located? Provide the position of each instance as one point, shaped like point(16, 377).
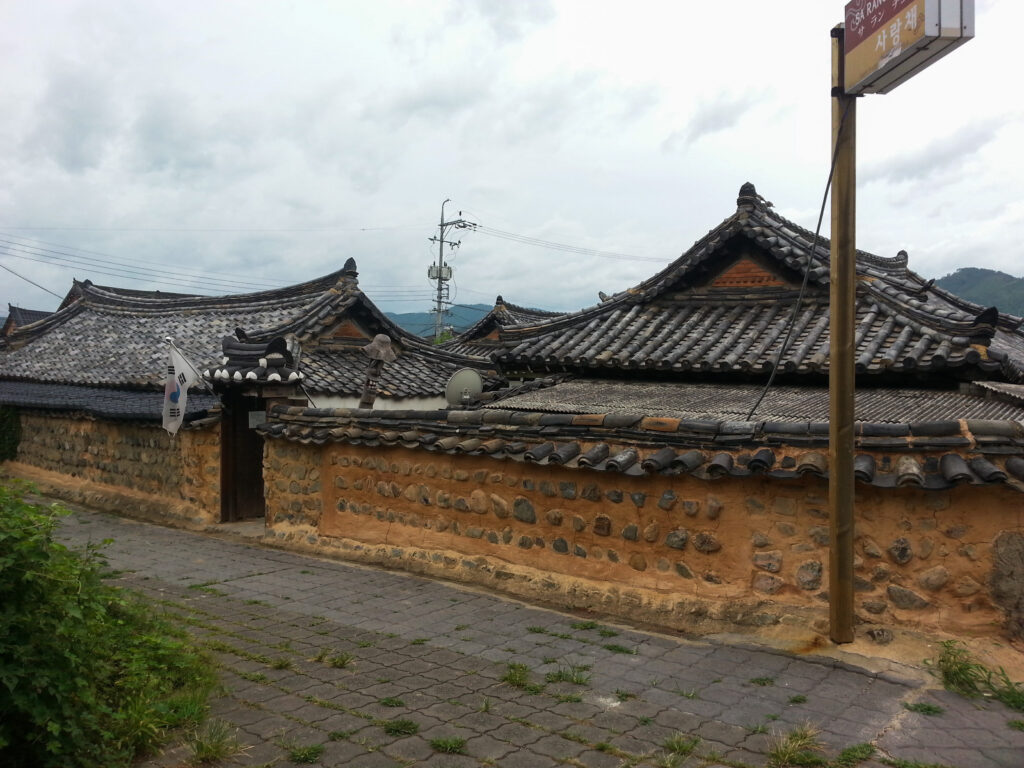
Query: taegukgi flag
point(180, 376)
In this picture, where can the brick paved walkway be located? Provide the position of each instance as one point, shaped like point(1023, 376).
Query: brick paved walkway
point(387, 669)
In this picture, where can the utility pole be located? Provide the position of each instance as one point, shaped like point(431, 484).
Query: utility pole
point(842, 303)
point(441, 272)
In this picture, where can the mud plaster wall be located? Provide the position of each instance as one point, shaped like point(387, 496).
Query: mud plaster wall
point(679, 551)
point(110, 464)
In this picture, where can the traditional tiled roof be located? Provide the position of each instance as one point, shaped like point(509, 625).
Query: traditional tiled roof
point(733, 401)
point(18, 317)
point(931, 455)
point(116, 338)
point(481, 338)
point(724, 307)
point(101, 402)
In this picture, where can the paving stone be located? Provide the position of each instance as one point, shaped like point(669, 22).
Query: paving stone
point(335, 605)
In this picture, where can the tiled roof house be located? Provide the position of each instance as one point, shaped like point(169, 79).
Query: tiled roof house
point(17, 317)
point(481, 338)
point(643, 469)
point(104, 354)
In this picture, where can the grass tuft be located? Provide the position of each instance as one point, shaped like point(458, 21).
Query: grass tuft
point(681, 744)
point(214, 740)
point(577, 675)
point(450, 745)
point(400, 727)
point(799, 747)
point(923, 708)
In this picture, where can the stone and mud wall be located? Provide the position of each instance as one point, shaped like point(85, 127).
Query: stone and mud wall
point(123, 465)
point(678, 552)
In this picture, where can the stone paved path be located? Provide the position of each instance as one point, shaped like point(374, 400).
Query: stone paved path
point(321, 653)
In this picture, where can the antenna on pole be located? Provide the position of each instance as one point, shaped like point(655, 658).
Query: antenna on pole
point(442, 272)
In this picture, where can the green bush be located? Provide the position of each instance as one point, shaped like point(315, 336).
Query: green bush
point(88, 675)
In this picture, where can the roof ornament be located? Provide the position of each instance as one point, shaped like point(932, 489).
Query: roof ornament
point(379, 351)
point(350, 270)
point(380, 348)
point(748, 199)
point(499, 301)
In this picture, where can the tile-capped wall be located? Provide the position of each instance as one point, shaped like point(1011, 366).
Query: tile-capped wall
point(677, 551)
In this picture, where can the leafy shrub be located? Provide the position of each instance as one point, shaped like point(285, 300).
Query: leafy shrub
point(88, 675)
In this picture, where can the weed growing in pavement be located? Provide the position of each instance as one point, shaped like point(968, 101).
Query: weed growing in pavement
point(549, 660)
point(762, 681)
point(400, 727)
point(760, 728)
point(282, 662)
point(537, 630)
point(562, 635)
point(485, 705)
point(451, 745)
point(253, 677)
point(899, 763)
point(583, 625)
point(645, 720)
point(668, 760)
point(461, 627)
point(853, 756)
point(419, 641)
point(923, 708)
point(616, 648)
point(577, 675)
point(681, 744)
point(391, 701)
point(573, 736)
point(688, 693)
point(1017, 725)
point(339, 735)
point(341, 660)
point(518, 676)
point(622, 695)
point(605, 632)
point(796, 748)
point(798, 699)
point(212, 741)
point(960, 673)
point(303, 754)
point(570, 698)
point(365, 643)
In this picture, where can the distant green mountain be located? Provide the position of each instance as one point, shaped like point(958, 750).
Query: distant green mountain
point(422, 323)
point(987, 287)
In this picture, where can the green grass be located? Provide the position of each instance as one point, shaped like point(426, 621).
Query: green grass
point(253, 677)
point(305, 754)
point(577, 675)
point(339, 735)
point(798, 747)
point(762, 681)
point(616, 648)
point(605, 632)
point(923, 708)
point(961, 673)
point(853, 756)
point(570, 698)
point(1017, 725)
point(282, 662)
point(391, 702)
point(622, 695)
point(340, 660)
point(798, 699)
point(419, 641)
point(681, 744)
point(450, 745)
point(213, 741)
point(583, 625)
point(537, 630)
point(518, 676)
point(899, 763)
point(400, 727)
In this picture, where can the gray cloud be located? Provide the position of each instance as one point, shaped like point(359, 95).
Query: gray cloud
point(711, 117)
point(508, 21)
point(75, 121)
point(944, 154)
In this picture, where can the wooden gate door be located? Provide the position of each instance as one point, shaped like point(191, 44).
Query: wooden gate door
point(241, 460)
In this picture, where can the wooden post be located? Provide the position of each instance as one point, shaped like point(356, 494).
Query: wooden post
point(841, 364)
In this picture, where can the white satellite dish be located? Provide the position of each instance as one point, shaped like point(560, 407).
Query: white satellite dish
point(463, 387)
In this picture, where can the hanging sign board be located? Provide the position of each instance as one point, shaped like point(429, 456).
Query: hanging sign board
point(889, 41)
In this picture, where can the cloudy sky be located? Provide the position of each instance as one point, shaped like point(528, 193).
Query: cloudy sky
point(220, 147)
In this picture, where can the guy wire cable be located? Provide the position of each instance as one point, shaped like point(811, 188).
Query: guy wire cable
point(807, 268)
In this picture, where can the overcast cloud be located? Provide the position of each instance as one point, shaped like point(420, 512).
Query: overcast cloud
point(262, 143)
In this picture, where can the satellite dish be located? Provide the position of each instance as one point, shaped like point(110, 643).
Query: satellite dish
point(463, 387)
